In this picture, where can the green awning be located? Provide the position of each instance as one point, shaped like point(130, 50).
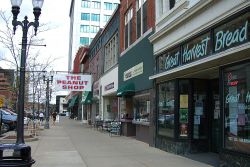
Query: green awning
point(126, 90)
point(73, 101)
point(86, 97)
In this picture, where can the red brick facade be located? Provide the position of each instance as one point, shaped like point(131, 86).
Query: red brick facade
point(125, 6)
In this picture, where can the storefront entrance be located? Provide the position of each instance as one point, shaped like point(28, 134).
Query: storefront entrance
point(199, 113)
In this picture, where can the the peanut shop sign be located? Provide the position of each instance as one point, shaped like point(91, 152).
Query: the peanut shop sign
point(73, 82)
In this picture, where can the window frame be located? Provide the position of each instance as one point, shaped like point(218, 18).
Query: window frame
point(141, 23)
point(224, 70)
point(85, 15)
point(128, 26)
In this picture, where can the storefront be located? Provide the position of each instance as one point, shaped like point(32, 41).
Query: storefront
point(95, 101)
point(86, 103)
point(135, 90)
point(202, 89)
point(109, 83)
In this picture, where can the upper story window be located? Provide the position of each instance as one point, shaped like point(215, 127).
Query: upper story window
point(141, 17)
point(128, 28)
point(86, 4)
point(115, 5)
point(166, 5)
point(111, 52)
point(84, 40)
point(106, 18)
point(94, 29)
point(96, 5)
point(85, 16)
point(107, 6)
point(95, 17)
point(84, 28)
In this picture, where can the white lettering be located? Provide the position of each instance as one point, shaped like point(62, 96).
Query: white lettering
point(232, 98)
point(196, 52)
point(172, 61)
point(226, 39)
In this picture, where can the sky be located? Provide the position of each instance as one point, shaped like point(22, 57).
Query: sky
point(55, 13)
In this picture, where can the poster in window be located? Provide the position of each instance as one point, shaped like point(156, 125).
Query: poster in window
point(199, 107)
point(183, 115)
point(197, 120)
point(241, 108)
point(233, 126)
point(241, 120)
point(183, 101)
point(183, 130)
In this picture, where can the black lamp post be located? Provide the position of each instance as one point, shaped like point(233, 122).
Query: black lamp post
point(25, 24)
point(47, 80)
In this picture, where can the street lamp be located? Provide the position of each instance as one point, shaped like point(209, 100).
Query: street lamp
point(47, 80)
point(37, 4)
point(20, 149)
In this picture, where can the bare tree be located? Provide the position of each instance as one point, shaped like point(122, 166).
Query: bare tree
point(8, 41)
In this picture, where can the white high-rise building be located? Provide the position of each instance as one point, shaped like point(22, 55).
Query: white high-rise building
point(86, 18)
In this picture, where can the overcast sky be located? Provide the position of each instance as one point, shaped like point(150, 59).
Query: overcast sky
point(55, 13)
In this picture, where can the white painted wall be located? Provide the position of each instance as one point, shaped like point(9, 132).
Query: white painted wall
point(108, 78)
point(212, 13)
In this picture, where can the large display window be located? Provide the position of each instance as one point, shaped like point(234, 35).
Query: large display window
point(236, 101)
point(166, 105)
point(141, 108)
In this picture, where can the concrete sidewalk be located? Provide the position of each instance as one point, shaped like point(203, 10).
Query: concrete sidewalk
point(70, 144)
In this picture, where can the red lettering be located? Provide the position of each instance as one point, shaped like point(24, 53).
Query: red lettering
point(81, 87)
point(76, 87)
point(67, 77)
point(63, 82)
point(59, 81)
point(86, 82)
point(234, 83)
point(75, 82)
point(78, 77)
point(69, 82)
point(70, 87)
point(64, 87)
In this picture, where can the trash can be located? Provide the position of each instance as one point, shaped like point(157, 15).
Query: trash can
point(15, 155)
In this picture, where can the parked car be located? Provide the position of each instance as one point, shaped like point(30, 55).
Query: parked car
point(9, 120)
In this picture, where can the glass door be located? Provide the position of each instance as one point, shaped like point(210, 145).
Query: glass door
point(200, 115)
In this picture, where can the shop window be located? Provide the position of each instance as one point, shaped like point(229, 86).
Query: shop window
point(183, 108)
point(141, 109)
point(126, 108)
point(236, 85)
point(166, 109)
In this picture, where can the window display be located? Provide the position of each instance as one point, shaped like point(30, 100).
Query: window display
point(141, 108)
point(183, 108)
point(166, 109)
point(237, 107)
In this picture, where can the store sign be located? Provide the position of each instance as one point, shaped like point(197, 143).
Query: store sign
point(197, 49)
point(228, 35)
point(109, 86)
point(71, 82)
point(231, 35)
point(232, 80)
point(133, 72)
point(172, 59)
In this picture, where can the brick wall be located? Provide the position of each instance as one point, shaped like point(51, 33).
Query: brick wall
point(125, 6)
